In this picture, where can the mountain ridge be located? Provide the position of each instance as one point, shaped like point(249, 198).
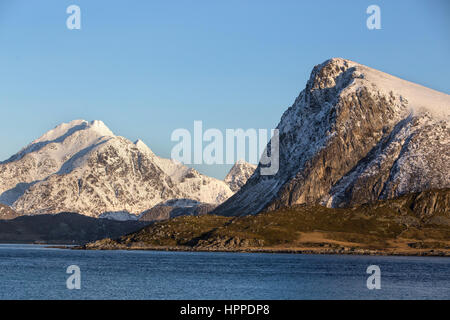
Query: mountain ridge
point(83, 167)
point(349, 138)
point(239, 174)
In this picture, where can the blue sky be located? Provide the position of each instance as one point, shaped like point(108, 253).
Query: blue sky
point(148, 67)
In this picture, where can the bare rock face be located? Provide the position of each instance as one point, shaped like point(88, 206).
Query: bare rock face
point(7, 213)
point(239, 174)
point(430, 203)
point(83, 167)
point(353, 135)
point(175, 208)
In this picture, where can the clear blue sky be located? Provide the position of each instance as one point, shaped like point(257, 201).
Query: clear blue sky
point(148, 67)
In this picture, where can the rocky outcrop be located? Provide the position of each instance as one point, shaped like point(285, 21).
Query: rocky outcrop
point(354, 135)
point(176, 208)
point(7, 213)
point(430, 203)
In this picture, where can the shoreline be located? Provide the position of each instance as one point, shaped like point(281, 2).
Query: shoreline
point(341, 251)
point(308, 251)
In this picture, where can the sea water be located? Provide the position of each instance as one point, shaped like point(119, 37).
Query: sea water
point(39, 272)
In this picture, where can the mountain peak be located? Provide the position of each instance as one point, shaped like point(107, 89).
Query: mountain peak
point(341, 63)
point(82, 167)
point(77, 132)
point(101, 128)
point(239, 174)
point(63, 130)
point(243, 162)
point(142, 146)
point(353, 135)
point(339, 74)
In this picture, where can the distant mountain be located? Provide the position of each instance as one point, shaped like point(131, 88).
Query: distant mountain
point(83, 167)
point(354, 135)
point(235, 179)
point(239, 174)
point(176, 208)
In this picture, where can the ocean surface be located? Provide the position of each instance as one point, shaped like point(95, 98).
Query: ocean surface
point(37, 272)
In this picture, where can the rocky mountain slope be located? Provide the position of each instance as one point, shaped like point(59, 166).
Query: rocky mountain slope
point(7, 213)
point(353, 135)
point(175, 208)
point(239, 174)
point(414, 224)
point(83, 167)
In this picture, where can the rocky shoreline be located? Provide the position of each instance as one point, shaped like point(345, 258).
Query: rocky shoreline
point(403, 226)
point(346, 251)
point(107, 244)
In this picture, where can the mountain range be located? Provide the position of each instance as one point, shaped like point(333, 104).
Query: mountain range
point(359, 150)
point(364, 162)
point(83, 167)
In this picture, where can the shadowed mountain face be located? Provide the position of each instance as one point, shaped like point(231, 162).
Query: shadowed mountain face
point(176, 208)
point(63, 228)
point(353, 135)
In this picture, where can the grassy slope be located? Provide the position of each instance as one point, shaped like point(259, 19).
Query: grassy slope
point(389, 226)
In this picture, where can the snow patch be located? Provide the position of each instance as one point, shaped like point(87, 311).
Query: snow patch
point(119, 216)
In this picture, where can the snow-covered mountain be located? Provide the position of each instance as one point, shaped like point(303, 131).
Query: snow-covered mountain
point(83, 167)
point(239, 174)
point(353, 135)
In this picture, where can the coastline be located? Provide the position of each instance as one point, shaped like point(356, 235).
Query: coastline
point(268, 250)
point(332, 251)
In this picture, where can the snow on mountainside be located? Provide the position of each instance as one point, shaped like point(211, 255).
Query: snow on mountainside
point(200, 187)
point(239, 174)
point(48, 155)
point(353, 135)
point(83, 167)
point(119, 216)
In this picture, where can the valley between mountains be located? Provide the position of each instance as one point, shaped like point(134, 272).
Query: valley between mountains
point(364, 162)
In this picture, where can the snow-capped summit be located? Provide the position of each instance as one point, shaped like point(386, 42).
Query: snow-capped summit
point(83, 167)
point(140, 143)
point(353, 135)
point(239, 174)
point(100, 127)
point(62, 129)
point(70, 137)
point(95, 127)
point(143, 147)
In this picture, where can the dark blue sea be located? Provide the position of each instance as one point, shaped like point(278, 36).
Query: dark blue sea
point(38, 272)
